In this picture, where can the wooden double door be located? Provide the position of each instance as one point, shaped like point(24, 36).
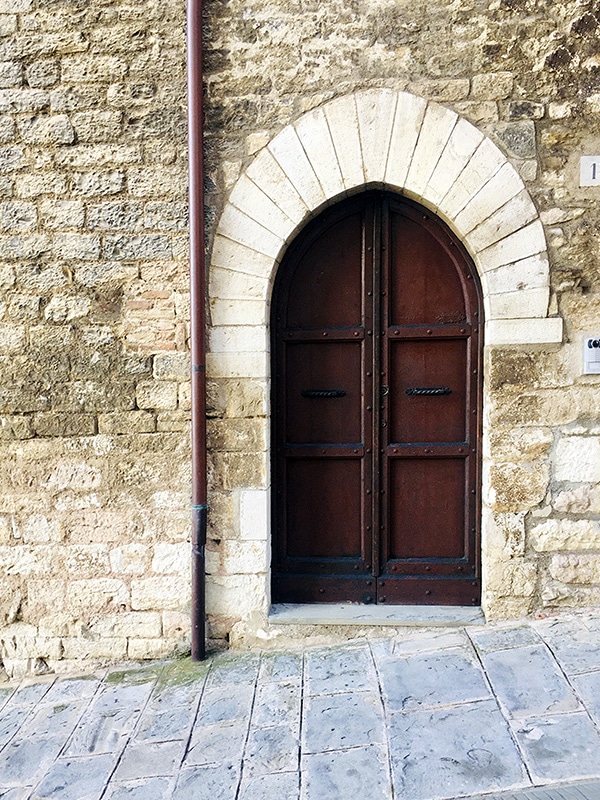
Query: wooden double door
point(376, 330)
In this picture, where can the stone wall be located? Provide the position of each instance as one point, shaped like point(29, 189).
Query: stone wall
point(527, 75)
point(94, 304)
point(94, 398)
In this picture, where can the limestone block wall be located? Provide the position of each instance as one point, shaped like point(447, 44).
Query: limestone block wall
point(525, 75)
point(94, 408)
point(94, 392)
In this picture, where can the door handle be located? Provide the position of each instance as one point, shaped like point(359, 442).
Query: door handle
point(322, 393)
point(429, 390)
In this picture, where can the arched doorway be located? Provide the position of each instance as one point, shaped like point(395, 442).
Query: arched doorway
point(377, 383)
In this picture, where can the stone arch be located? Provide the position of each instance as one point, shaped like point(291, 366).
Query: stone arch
point(374, 138)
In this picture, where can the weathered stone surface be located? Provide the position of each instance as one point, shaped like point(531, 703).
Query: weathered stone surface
point(580, 568)
point(94, 298)
point(518, 486)
point(565, 534)
point(440, 739)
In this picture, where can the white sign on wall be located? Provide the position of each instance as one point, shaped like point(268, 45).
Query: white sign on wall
point(591, 355)
point(589, 171)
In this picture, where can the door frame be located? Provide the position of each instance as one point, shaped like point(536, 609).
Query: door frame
point(377, 138)
point(438, 230)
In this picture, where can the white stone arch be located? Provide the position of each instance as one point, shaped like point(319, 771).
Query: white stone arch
point(374, 138)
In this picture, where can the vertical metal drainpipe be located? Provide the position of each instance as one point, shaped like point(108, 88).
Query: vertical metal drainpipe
point(197, 323)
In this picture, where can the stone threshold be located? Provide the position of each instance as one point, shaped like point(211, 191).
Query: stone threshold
point(355, 614)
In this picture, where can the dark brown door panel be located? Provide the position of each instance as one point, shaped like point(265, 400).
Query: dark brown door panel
point(376, 410)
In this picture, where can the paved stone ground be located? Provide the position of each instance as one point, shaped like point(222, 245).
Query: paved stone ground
point(446, 714)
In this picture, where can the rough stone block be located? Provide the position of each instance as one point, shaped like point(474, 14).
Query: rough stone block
point(52, 130)
point(518, 138)
point(157, 183)
point(113, 647)
point(23, 100)
point(42, 74)
point(516, 487)
point(442, 89)
point(115, 216)
point(38, 529)
point(175, 624)
point(88, 68)
point(525, 109)
point(24, 308)
point(80, 246)
point(125, 246)
point(159, 593)
point(172, 366)
point(492, 85)
point(86, 559)
point(60, 214)
point(52, 424)
point(90, 184)
point(575, 568)
point(166, 216)
point(15, 6)
point(12, 338)
point(566, 534)
point(92, 396)
point(137, 624)
point(11, 74)
point(96, 595)
point(171, 559)
point(126, 422)
point(236, 435)
point(130, 559)
point(577, 459)
point(16, 427)
point(12, 158)
point(33, 185)
point(97, 126)
point(64, 308)
point(173, 421)
point(144, 649)
point(7, 130)
point(25, 559)
point(156, 395)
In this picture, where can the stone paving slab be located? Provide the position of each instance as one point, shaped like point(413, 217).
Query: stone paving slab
point(572, 791)
point(506, 712)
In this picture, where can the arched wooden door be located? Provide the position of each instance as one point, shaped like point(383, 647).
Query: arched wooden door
point(377, 341)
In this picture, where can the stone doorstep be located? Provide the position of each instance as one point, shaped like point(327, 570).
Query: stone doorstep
point(588, 790)
point(355, 614)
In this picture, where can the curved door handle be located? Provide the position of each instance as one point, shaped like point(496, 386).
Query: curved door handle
point(323, 393)
point(429, 390)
